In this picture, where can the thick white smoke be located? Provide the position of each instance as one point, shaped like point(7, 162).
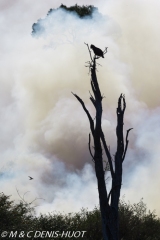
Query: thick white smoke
point(43, 129)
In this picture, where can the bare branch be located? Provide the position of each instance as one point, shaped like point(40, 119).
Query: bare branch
point(112, 190)
point(21, 197)
point(107, 167)
point(127, 141)
point(25, 201)
point(105, 51)
point(107, 153)
point(109, 195)
point(88, 114)
point(95, 85)
point(93, 100)
point(89, 146)
point(36, 199)
point(94, 89)
point(25, 194)
point(89, 51)
point(124, 103)
point(107, 178)
point(121, 109)
point(99, 64)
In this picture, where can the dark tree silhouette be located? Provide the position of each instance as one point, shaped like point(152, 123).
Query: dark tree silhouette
point(108, 200)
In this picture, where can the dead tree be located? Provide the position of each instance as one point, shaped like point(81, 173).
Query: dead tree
point(109, 200)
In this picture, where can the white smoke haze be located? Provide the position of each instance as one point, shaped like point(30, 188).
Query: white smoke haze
point(44, 130)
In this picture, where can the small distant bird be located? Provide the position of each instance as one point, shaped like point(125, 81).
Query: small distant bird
point(30, 178)
point(97, 51)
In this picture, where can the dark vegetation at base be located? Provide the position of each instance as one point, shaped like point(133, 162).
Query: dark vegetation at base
point(136, 223)
point(81, 11)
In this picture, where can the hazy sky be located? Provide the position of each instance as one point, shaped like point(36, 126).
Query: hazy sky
point(43, 129)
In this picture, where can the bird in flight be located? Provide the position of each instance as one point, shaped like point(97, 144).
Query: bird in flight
point(97, 51)
point(30, 178)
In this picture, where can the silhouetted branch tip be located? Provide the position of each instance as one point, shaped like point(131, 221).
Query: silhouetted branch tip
point(127, 141)
point(89, 51)
point(121, 108)
point(87, 112)
point(105, 51)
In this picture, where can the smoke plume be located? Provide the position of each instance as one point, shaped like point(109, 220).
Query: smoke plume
point(44, 130)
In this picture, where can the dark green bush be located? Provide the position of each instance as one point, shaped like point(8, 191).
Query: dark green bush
point(136, 223)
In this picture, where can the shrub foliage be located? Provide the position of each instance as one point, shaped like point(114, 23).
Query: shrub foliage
point(136, 223)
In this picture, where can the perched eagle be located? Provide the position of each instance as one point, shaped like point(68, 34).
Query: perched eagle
point(97, 51)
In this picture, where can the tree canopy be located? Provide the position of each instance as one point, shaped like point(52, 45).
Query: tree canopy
point(81, 12)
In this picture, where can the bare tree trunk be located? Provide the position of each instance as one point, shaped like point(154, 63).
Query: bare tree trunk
point(108, 201)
